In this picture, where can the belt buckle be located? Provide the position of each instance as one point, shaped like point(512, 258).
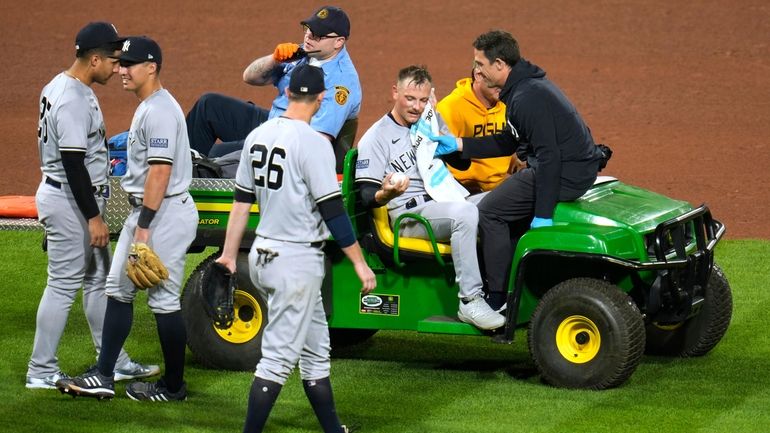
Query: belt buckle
point(134, 201)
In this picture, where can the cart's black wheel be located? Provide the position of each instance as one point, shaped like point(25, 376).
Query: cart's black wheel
point(586, 333)
point(238, 347)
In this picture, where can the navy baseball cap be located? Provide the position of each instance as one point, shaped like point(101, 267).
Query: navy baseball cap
point(99, 34)
point(328, 19)
point(140, 49)
point(307, 80)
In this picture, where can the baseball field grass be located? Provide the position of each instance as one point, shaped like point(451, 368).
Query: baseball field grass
point(402, 381)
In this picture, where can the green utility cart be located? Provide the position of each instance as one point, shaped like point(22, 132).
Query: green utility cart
point(622, 272)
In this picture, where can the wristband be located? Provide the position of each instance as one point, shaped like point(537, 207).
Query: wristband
point(145, 217)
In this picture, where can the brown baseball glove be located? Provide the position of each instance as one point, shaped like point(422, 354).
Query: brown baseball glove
point(144, 267)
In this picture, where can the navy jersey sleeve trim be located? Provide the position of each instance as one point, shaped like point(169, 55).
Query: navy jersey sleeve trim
point(72, 149)
point(157, 160)
point(330, 196)
point(377, 182)
point(242, 196)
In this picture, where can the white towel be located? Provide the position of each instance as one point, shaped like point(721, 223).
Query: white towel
point(439, 182)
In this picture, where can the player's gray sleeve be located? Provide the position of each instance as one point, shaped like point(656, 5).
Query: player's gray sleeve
point(72, 124)
point(372, 159)
point(161, 135)
point(244, 176)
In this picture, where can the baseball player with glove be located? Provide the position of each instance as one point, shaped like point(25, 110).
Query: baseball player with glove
point(150, 253)
point(70, 201)
point(325, 35)
point(286, 167)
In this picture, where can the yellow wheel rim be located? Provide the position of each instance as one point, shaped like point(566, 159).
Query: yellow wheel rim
point(248, 319)
point(578, 339)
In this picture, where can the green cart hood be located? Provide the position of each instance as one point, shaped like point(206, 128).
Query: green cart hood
point(611, 203)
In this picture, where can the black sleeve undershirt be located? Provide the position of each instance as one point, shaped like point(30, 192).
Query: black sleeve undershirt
point(333, 213)
point(368, 192)
point(80, 183)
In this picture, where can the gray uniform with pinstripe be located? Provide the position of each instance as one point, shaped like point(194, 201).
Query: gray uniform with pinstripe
point(290, 168)
point(70, 121)
point(158, 133)
point(387, 148)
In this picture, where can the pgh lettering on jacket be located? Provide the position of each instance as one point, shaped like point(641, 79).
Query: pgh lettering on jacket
point(489, 128)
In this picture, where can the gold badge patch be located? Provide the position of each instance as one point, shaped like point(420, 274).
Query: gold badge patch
point(323, 13)
point(341, 94)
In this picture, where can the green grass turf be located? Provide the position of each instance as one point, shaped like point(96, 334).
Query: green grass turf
point(403, 381)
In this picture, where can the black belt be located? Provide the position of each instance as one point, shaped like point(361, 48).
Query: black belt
point(138, 201)
point(135, 201)
point(318, 244)
point(413, 201)
point(52, 182)
point(56, 184)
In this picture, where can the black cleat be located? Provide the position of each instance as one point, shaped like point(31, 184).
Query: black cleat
point(89, 384)
point(154, 391)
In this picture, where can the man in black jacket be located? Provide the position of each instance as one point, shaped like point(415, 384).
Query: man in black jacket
point(544, 129)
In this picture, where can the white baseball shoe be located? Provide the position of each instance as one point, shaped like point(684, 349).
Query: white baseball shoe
point(477, 312)
point(48, 382)
point(135, 370)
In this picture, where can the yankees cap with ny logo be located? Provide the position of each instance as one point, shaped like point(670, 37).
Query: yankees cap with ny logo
point(98, 34)
point(139, 49)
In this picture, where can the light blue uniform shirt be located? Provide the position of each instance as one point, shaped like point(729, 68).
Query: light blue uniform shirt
point(343, 93)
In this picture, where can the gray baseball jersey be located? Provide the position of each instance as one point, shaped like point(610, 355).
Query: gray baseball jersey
point(71, 121)
point(386, 148)
point(290, 168)
point(158, 133)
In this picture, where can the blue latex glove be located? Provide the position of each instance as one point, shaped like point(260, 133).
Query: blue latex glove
point(541, 222)
point(446, 144)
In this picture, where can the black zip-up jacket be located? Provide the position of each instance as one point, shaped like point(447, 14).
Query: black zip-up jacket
point(546, 128)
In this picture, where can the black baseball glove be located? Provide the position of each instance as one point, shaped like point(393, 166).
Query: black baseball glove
point(217, 287)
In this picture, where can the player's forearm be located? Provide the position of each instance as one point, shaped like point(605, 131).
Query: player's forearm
point(260, 71)
point(236, 225)
point(354, 254)
point(155, 186)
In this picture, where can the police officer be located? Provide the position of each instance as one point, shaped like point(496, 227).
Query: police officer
point(325, 35)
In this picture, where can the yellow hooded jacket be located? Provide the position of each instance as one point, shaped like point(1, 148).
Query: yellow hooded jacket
point(466, 116)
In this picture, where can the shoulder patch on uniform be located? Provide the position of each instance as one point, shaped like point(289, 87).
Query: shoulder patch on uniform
point(362, 163)
point(341, 94)
point(159, 142)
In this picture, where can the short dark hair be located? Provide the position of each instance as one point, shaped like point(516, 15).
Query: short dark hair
point(415, 74)
point(498, 44)
point(306, 98)
point(104, 51)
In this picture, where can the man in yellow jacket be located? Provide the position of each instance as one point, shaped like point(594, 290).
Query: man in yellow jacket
point(475, 110)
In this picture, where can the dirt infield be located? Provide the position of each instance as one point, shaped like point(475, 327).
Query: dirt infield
point(680, 92)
